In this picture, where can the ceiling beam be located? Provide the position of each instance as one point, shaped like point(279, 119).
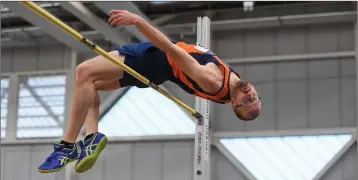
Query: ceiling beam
point(265, 22)
point(164, 19)
point(88, 17)
point(107, 6)
point(46, 26)
point(293, 57)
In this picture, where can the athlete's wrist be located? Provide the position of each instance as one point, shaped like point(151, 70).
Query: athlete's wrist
point(138, 20)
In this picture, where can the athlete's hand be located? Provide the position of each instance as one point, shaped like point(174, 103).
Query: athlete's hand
point(122, 17)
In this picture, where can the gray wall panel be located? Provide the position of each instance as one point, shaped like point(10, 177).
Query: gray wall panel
point(24, 59)
point(147, 161)
point(31, 157)
point(2, 163)
point(350, 164)
point(283, 41)
point(345, 168)
point(39, 58)
point(322, 38)
point(51, 58)
point(229, 44)
point(346, 37)
point(291, 107)
point(325, 68)
point(118, 162)
point(260, 43)
point(324, 103)
point(285, 37)
point(291, 70)
point(6, 63)
point(348, 101)
point(176, 161)
point(260, 72)
point(12, 168)
point(348, 67)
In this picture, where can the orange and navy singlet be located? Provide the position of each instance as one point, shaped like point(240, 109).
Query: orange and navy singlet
point(158, 67)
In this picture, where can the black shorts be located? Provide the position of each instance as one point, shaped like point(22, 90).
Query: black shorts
point(148, 60)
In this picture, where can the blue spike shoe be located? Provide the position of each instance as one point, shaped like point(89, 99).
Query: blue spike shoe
point(90, 150)
point(59, 158)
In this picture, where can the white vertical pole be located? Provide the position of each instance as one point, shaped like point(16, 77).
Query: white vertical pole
point(356, 56)
point(13, 104)
point(70, 82)
point(202, 129)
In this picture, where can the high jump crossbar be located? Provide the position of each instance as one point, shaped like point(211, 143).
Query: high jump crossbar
point(49, 17)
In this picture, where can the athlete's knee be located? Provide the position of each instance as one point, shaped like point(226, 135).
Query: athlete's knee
point(84, 71)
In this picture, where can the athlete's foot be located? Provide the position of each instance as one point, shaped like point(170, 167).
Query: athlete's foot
point(90, 150)
point(63, 154)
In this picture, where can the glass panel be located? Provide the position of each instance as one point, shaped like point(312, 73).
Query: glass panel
point(145, 112)
point(41, 106)
point(4, 99)
point(286, 157)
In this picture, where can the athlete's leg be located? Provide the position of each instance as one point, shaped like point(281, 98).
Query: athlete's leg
point(85, 105)
point(85, 93)
point(91, 121)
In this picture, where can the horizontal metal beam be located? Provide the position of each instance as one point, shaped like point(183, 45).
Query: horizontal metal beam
point(336, 158)
point(296, 57)
point(164, 19)
point(45, 26)
point(265, 22)
point(320, 131)
point(85, 15)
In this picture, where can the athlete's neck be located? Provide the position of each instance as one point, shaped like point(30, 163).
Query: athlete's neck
point(232, 84)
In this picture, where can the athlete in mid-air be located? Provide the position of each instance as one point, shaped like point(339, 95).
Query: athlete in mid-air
point(196, 70)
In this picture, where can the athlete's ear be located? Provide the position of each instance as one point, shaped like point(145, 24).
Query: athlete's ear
point(233, 102)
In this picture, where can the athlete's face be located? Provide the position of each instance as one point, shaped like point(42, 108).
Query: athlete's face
point(246, 101)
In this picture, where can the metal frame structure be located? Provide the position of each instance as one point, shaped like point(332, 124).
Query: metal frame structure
point(13, 99)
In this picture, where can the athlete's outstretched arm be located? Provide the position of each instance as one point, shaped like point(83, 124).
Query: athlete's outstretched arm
point(187, 63)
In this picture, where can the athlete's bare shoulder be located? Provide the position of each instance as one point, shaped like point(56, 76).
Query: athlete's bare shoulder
point(214, 78)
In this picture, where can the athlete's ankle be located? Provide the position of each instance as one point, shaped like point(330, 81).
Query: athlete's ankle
point(89, 136)
point(67, 144)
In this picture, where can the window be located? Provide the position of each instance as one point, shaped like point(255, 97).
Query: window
point(286, 157)
point(41, 106)
point(4, 99)
point(144, 112)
